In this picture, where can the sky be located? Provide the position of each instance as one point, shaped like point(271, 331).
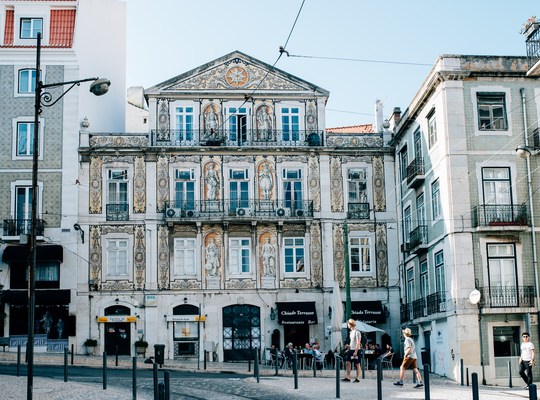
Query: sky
point(166, 38)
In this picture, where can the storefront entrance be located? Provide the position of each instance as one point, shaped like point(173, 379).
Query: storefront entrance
point(117, 334)
point(241, 331)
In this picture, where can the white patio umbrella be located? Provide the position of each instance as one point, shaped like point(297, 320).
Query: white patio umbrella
point(337, 318)
point(363, 327)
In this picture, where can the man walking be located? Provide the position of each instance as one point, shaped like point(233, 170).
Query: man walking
point(526, 360)
point(351, 357)
point(409, 360)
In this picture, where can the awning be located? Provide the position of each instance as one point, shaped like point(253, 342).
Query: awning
point(369, 312)
point(46, 252)
point(43, 296)
point(297, 313)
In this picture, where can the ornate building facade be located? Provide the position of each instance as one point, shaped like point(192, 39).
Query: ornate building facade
point(222, 228)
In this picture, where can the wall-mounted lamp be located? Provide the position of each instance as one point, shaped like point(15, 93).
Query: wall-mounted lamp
point(364, 291)
point(329, 312)
point(525, 151)
point(297, 291)
point(185, 300)
point(273, 314)
point(78, 228)
point(117, 300)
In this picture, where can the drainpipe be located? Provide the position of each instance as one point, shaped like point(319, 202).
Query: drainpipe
point(531, 207)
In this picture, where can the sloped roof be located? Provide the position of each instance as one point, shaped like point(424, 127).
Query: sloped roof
point(238, 72)
point(62, 28)
point(365, 128)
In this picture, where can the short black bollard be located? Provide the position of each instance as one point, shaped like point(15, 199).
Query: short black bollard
point(426, 382)
point(475, 395)
point(104, 370)
point(256, 366)
point(155, 377)
point(295, 369)
point(337, 363)
point(134, 378)
point(363, 360)
point(18, 360)
point(533, 395)
point(249, 364)
point(467, 376)
point(379, 379)
point(205, 355)
point(509, 375)
point(65, 364)
point(116, 349)
point(461, 370)
point(161, 391)
point(72, 354)
point(314, 365)
point(167, 381)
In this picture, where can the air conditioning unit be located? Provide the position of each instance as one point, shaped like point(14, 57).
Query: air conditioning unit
point(283, 212)
point(299, 213)
point(405, 247)
point(173, 212)
point(191, 213)
point(243, 212)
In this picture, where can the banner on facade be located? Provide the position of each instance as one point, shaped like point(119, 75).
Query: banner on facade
point(297, 313)
point(369, 312)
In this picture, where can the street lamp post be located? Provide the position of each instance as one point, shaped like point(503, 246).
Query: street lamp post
point(43, 98)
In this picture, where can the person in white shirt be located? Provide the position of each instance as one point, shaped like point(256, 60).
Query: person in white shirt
point(409, 359)
point(352, 355)
point(526, 360)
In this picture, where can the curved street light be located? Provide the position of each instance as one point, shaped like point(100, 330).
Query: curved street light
point(44, 98)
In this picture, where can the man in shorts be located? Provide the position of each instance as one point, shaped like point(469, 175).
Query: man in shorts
point(409, 360)
point(352, 355)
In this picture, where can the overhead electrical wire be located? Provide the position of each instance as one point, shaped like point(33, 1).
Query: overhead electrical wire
point(360, 60)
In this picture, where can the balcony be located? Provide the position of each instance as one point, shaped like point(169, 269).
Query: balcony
point(222, 137)
point(488, 215)
point(507, 296)
point(532, 43)
point(117, 212)
point(18, 227)
point(405, 312)
point(419, 309)
point(436, 303)
point(237, 210)
point(358, 211)
point(418, 240)
point(415, 172)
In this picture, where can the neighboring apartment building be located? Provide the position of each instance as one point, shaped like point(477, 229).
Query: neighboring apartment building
point(72, 49)
point(465, 203)
point(221, 228)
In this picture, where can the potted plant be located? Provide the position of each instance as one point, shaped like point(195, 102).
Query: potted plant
point(141, 345)
point(90, 344)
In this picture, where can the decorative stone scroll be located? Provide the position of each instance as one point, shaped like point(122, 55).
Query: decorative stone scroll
point(382, 255)
point(96, 179)
point(162, 178)
point(139, 185)
point(163, 119)
point(95, 255)
point(163, 257)
point(314, 181)
point(139, 257)
point(379, 195)
point(316, 254)
point(336, 184)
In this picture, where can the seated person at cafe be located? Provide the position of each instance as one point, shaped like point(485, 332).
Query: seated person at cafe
point(319, 357)
point(288, 353)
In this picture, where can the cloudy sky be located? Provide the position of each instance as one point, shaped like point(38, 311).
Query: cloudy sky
point(360, 51)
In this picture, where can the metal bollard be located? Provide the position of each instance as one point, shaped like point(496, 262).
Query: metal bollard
point(249, 364)
point(134, 378)
point(338, 371)
point(18, 360)
point(314, 365)
point(72, 353)
point(204, 361)
point(533, 395)
point(426, 382)
point(461, 370)
point(104, 370)
point(167, 381)
point(154, 374)
point(475, 395)
point(116, 349)
point(509, 375)
point(161, 391)
point(256, 366)
point(467, 376)
point(295, 370)
point(363, 360)
point(379, 379)
point(65, 364)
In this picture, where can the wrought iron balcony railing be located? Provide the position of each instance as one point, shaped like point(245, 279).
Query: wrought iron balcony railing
point(507, 296)
point(405, 312)
point(418, 237)
point(415, 170)
point(358, 211)
point(242, 209)
point(500, 215)
point(222, 137)
point(436, 302)
point(117, 212)
point(532, 43)
point(17, 227)
point(419, 308)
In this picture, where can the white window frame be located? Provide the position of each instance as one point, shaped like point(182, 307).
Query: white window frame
point(30, 81)
point(126, 180)
point(185, 250)
point(110, 275)
point(279, 118)
point(353, 239)
point(182, 130)
point(33, 30)
point(25, 183)
point(431, 120)
point(15, 137)
point(175, 179)
point(435, 200)
point(294, 246)
point(237, 247)
point(440, 273)
point(508, 104)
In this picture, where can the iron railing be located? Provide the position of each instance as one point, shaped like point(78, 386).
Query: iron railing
point(532, 44)
point(415, 169)
point(243, 209)
point(418, 236)
point(500, 215)
point(419, 308)
point(117, 212)
point(222, 137)
point(358, 211)
point(17, 227)
point(507, 296)
point(405, 312)
point(436, 302)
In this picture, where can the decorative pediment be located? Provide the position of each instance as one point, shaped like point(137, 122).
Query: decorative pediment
point(236, 72)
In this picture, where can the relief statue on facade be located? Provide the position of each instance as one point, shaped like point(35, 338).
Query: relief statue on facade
point(266, 183)
point(212, 258)
point(264, 124)
point(211, 124)
point(268, 255)
point(212, 183)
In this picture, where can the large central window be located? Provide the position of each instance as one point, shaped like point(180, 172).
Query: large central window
point(292, 188)
point(290, 124)
point(294, 255)
point(240, 254)
point(184, 256)
point(237, 125)
point(360, 254)
point(497, 187)
point(239, 188)
point(184, 124)
point(184, 189)
point(117, 257)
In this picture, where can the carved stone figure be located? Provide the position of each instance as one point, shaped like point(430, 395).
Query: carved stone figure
point(211, 124)
point(212, 184)
point(264, 124)
point(269, 258)
point(266, 182)
point(212, 258)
